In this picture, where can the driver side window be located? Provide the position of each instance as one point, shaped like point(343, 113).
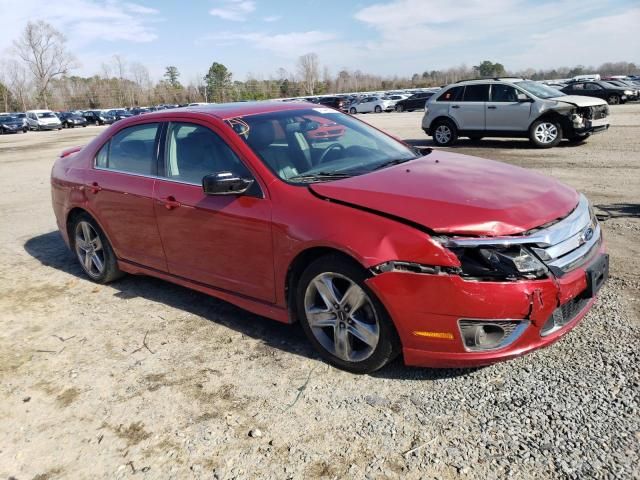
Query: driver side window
point(193, 151)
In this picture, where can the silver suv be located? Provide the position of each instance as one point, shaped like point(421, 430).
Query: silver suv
point(512, 107)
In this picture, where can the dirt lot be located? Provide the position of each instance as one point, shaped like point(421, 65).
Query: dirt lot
point(144, 379)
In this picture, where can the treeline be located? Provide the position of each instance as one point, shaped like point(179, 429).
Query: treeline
point(39, 75)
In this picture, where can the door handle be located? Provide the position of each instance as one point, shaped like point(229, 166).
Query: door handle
point(170, 202)
point(94, 187)
point(455, 106)
point(492, 107)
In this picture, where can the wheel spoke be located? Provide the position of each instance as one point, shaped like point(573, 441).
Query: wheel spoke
point(86, 231)
point(341, 341)
point(319, 318)
point(81, 244)
point(324, 286)
point(354, 298)
point(365, 332)
point(97, 262)
point(87, 262)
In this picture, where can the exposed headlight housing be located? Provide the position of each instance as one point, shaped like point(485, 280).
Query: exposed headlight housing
point(500, 263)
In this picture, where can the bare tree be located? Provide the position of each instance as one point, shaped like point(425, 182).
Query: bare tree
point(309, 70)
point(43, 50)
point(18, 82)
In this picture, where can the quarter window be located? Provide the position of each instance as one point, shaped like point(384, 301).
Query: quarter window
point(476, 93)
point(131, 150)
point(194, 151)
point(452, 95)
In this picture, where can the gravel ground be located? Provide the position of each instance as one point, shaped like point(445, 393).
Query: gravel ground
point(144, 379)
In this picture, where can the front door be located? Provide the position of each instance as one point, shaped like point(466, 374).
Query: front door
point(222, 241)
point(120, 187)
point(505, 112)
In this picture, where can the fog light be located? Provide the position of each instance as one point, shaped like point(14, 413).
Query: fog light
point(481, 335)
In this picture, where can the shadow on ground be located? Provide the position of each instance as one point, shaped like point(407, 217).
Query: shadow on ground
point(50, 250)
point(618, 210)
point(488, 143)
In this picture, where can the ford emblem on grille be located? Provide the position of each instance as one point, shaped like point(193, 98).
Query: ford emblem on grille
point(587, 235)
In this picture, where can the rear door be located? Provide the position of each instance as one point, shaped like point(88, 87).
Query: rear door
point(469, 113)
point(120, 191)
point(219, 240)
point(505, 112)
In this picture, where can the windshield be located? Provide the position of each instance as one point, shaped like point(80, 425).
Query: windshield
point(46, 115)
point(318, 144)
point(539, 89)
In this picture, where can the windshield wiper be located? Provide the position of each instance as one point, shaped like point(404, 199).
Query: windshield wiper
point(395, 161)
point(321, 176)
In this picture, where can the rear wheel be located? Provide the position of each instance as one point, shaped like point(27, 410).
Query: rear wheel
point(93, 250)
point(444, 133)
point(353, 111)
point(377, 109)
point(613, 100)
point(342, 318)
point(545, 133)
point(399, 108)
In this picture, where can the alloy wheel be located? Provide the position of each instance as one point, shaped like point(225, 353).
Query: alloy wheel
point(546, 132)
point(341, 317)
point(614, 100)
point(443, 134)
point(89, 249)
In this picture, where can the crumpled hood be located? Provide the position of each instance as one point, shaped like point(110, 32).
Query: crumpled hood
point(457, 194)
point(580, 101)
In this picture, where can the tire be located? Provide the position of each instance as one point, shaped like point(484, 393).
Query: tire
point(378, 109)
point(399, 108)
point(337, 334)
point(353, 111)
point(444, 133)
point(545, 133)
point(97, 123)
point(613, 100)
point(94, 254)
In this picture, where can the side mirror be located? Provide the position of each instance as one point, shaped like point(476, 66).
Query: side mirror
point(225, 183)
point(522, 98)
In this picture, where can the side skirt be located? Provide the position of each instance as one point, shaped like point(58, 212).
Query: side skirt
point(268, 310)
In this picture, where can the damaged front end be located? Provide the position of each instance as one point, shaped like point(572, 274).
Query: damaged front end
point(592, 119)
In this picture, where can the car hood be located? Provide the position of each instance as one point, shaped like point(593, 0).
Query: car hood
point(14, 123)
point(457, 194)
point(580, 101)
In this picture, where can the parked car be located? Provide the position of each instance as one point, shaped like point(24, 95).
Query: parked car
point(600, 89)
point(371, 104)
point(22, 116)
point(72, 120)
point(43, 120)
point(339, 103)
point(98, 117)
point(374, 247)
point(139, 110)
point(417, 101)
point(512, 108)
point(633, 88)
point(327, 129)
point(119, 114)
point(11, 123)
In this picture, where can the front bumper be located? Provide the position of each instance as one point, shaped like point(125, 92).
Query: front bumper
point(426, 310)
point(594, 126)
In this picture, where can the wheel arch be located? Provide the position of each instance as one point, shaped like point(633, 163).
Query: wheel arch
point(73, 214)
point(443, 118)
point(563, 119)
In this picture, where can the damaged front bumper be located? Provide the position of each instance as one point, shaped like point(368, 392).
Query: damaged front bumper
point(587, 120)
point(432, 311)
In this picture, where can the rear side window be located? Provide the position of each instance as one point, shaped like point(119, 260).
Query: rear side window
point(131, 150)
point(476, 93)
point(452, 95)
point(193, 151)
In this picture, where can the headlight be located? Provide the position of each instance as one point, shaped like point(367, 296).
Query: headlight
point(628, 92)
point(507, 263)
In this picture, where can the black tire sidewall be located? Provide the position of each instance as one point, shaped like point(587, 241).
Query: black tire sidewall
point(388, 345)
point(111, 271)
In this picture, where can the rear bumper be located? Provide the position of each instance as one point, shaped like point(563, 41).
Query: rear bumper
point(426, 310)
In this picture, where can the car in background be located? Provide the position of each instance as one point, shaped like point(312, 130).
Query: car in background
point(339, 103)
point(139, 110)
point(512, 108)
point(326, 130)
point(596, 88)
point(11, 123)
point(417, 101)
point(372, 104)
point(43, 120)
point(376, 248)
point(119, 113)
point(627, 85)
point(98, 117)
point(72, 120)
point(22, 116)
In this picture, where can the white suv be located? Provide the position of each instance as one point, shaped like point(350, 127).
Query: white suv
point(43, 120)
point(512, 108)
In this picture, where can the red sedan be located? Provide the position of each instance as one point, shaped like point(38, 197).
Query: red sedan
point(376, 248)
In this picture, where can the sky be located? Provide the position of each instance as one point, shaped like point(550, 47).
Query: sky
point(392, 37)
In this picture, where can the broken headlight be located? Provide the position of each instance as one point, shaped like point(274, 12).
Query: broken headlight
point(499, 263)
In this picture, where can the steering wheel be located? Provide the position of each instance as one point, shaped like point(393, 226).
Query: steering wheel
point(333, 146)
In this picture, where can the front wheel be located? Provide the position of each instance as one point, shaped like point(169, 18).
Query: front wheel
point(342, 318)
point(378, 109)
point(353, 111)
point(545, 133)
point(444, 133)
point(613, 100)
point(93, 250)
point(399, 108)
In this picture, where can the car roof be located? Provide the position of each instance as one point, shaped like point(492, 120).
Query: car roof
point(239, 109)
point(476, 81)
